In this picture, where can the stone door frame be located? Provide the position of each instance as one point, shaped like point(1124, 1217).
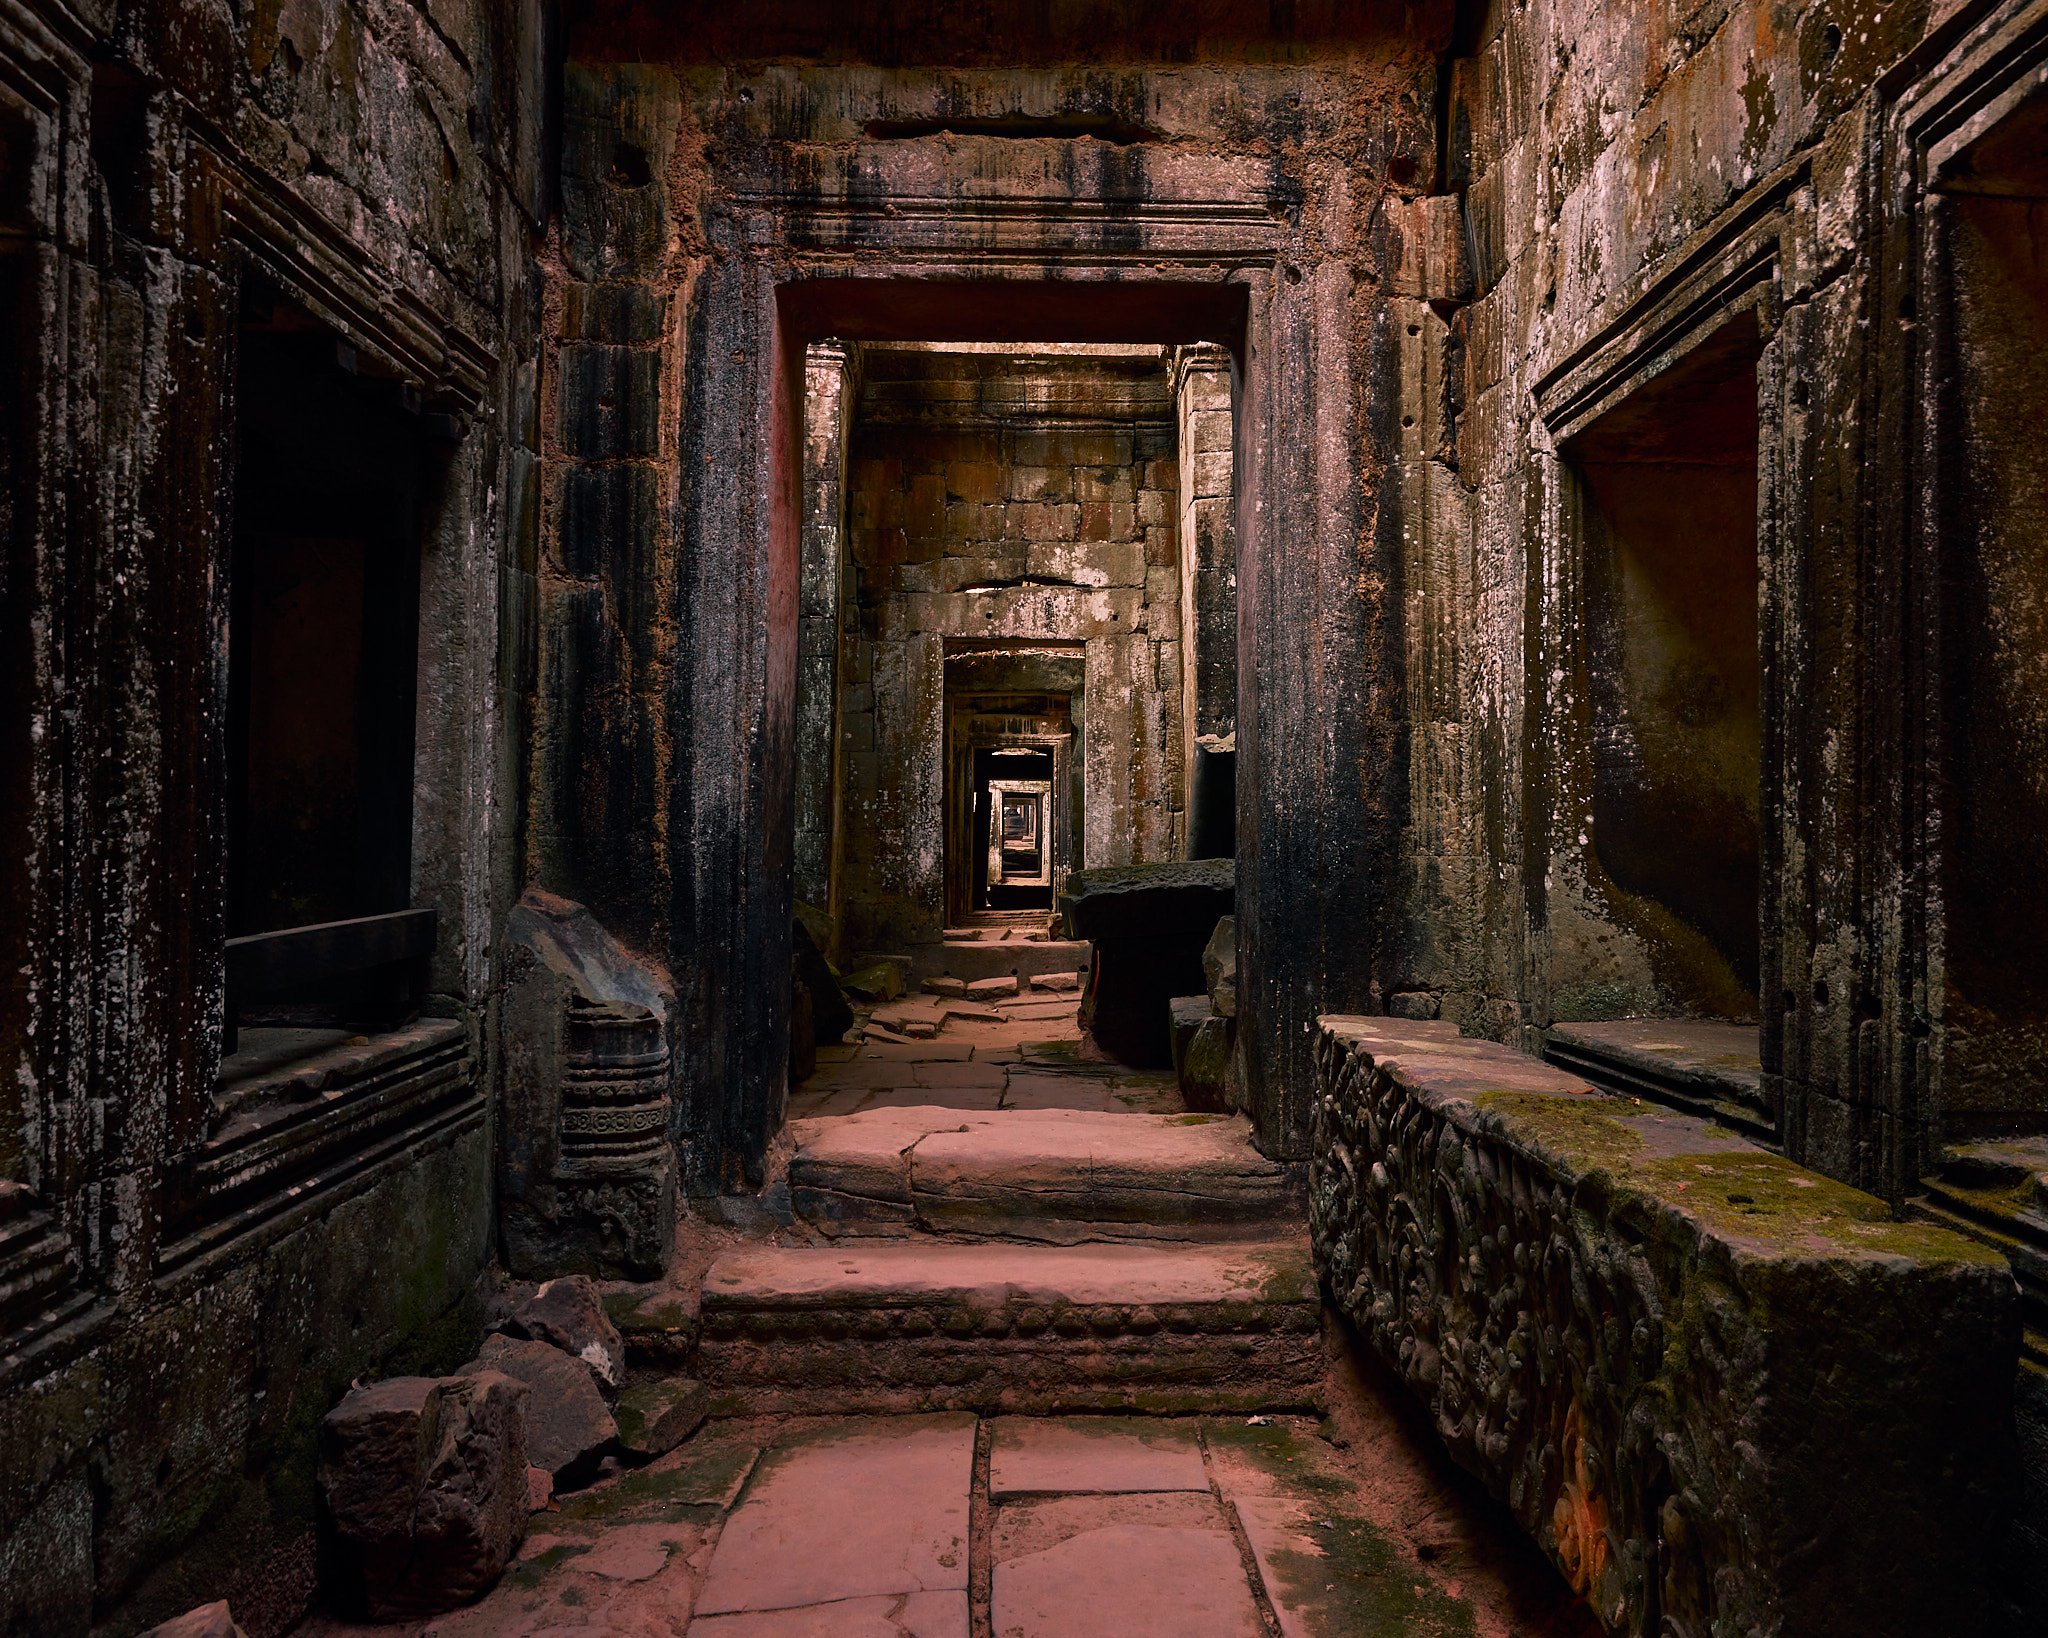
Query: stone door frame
point(889, 253)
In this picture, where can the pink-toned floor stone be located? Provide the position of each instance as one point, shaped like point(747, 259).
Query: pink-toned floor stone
point(857, 1510)
point(908, 1615)
point(1087, 1456)
point(1127, 1581)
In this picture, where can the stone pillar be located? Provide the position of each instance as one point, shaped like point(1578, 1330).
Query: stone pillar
point(831, 372)
point(1208, 549)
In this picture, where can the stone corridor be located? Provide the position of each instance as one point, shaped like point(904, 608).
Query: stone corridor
point(1037, 816)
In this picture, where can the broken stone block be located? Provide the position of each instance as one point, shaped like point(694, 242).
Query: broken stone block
point(569, 1430)
point(1187, 1013)
point(1219, 966)
point(1003, 984)
point(876, 981)
point(424, 1485)
point(540, 1489)
point(831, 1017)
point(1059, 983)
point(946, 986)
point(1205, 1067)
point(654, 1417)
point(207, 1621)
point(569, 1314)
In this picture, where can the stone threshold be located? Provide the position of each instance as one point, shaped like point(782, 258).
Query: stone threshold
point(1703, 1066)
point(1996, 1191)
point(1060, 1175)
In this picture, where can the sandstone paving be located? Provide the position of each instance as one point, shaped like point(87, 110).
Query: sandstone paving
point(849, 1512)
point(1127, 1581)
point(1092, 1455)
point(844, 1527)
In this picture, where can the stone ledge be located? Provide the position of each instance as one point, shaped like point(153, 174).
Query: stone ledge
point(1719, 1389)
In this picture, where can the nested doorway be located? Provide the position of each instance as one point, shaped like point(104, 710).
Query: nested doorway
point(1013, 798)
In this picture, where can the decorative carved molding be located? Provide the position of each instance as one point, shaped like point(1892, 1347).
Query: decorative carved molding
point(335, 1121)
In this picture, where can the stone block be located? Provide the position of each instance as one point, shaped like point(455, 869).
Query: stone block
point(423, 1480)
point(654, 1417)
point(1674, 1354)
point(875, 981)
point(568, 1314)
point(976, 481)
point(1205, 1067)
point(1219, 966)
point(1040, 483)
point(569, 1430)
point(1186, 1014)
point(1001, 984)
point(611, 401)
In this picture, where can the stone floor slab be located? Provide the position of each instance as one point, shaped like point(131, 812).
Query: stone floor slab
point(1127, 1581)
point(1091, 1456)
point(854, 1510)
point(909, 1615)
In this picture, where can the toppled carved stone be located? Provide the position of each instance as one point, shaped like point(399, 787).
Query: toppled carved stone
point(424, 1485)
point(656, 1416)
point(568, 1428)
point(568, 1314)
point(208, 1621)
point(586, 1168)
point(803, 1030)
point(1219, 966)
point(1676, 1355)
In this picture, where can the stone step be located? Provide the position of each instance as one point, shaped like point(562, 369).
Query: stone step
point(1062, 1175)
point(990, 958)
point(904, 1325)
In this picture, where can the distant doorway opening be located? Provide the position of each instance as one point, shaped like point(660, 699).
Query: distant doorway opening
point(1012, 804)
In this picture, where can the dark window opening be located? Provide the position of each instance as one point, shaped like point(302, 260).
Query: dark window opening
point(1669, 480)
point(1995, 632)
point(330, 471)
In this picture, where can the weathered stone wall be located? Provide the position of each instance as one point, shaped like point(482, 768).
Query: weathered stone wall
point(1640, 196)
point(1647, 192)
point(190, 1280)
point(1006, 500)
